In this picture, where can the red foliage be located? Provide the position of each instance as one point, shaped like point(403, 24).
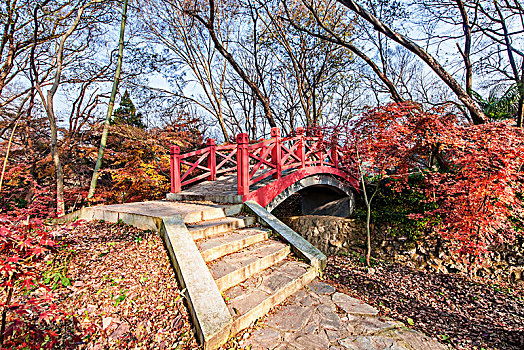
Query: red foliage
point(472, 172)
point(136, 163)
point(136, 167)
point(27, 306)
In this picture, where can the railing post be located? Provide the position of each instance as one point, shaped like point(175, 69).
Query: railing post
point(334, 150)
point(301, 149)
point(242, 164)
point(176, 184)
point(320, 145)
point(276, 153)
point(212, 160)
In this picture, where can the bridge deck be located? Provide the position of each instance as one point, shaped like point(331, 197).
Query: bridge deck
point(222, 190)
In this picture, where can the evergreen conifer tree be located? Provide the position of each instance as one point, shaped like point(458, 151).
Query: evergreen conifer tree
point(126, 113)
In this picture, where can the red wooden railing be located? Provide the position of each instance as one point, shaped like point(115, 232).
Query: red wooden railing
point(254, 162)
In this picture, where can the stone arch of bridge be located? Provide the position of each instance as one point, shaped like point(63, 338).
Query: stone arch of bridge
point(322, 194)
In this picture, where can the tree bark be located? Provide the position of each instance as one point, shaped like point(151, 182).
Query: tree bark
point(466, 28)
point(520, 110)
point(103, 140)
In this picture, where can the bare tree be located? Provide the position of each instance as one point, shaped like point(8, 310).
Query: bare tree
point(210, 23)
point(339, 37)
point(103, 140)
point(477, 115)
point(166, 24)
point(48, 99)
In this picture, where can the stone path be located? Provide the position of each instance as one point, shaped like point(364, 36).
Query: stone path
point(248, 273)
point(318, 317)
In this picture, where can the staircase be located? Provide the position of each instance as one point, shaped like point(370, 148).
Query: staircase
point(233, 271)
point(252, 268)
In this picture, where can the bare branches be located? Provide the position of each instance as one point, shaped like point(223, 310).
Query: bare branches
point(209, 24)
point(476, 113)
point(337, 39)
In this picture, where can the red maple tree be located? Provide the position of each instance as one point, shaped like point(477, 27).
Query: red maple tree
point(473, 173)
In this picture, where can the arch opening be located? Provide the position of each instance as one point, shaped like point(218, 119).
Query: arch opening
point(319, 195)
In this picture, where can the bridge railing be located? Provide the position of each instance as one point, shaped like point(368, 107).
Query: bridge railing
point(254, 162)
point(205, 163)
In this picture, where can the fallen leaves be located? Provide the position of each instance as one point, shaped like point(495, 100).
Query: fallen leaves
point(451, 308)
point(123, 290)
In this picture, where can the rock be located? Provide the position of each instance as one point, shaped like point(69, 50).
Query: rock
point(370, 325)
point(291, 317)
point(311, 342)
point(335, 334)
point(307, 300)
point(370, 343)
point(329, 319)
point(321, 288)
point(265, 338)
point(418, 341)
point(353, 306)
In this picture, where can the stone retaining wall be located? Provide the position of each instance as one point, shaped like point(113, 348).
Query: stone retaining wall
point(334, 235)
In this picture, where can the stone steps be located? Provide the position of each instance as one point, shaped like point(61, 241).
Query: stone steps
point(256, 296)
point(214, 227)
point(200, 237)
point(228, 243)
point(253, 271)
point(239, 266)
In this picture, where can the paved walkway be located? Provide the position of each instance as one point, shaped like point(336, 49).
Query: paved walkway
point(160, 208)
point(318, 317)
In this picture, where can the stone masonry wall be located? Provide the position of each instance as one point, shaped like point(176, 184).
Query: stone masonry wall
point(334, 235)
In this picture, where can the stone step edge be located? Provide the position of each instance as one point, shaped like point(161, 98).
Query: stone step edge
point(242, 274)
point(226, 199)
point(206, 305)
point(215, 230)
point(299, 244)
point(212, 214)
point(233, 246)
point(245, 320)
point(146, 222)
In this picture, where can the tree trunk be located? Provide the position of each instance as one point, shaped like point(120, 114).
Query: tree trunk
point(520, 111)
point(105, 131)
point(210, 26)
point(60, 203)
point(466, 28)
point(368, 235)
point(367, 201)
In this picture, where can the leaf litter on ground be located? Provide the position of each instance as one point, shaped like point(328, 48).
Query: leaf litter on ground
point(123, 290)
point(458, 311)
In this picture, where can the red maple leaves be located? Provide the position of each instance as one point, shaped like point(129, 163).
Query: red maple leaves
point(473, 173)
point(26, 304)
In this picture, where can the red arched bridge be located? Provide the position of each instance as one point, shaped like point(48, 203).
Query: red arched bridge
point(267, 172)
